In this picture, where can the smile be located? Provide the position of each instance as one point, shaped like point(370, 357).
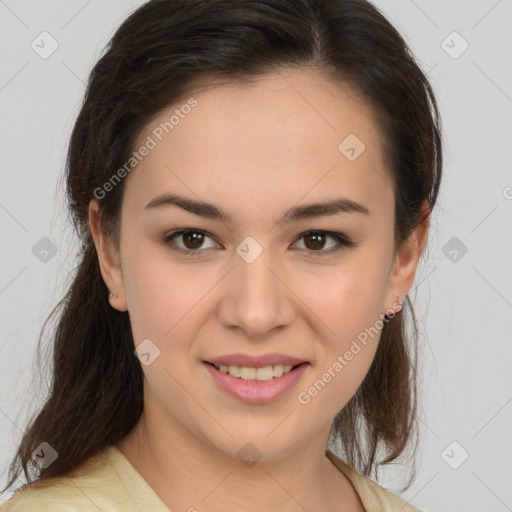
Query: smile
point(256, 385)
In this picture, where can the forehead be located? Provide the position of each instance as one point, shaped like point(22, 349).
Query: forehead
point(287, 135)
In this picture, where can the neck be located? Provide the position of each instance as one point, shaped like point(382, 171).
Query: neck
point(186, 472)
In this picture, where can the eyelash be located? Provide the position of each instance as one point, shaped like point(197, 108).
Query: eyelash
point(343, 241)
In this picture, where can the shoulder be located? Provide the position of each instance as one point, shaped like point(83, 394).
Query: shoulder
point(90, 487)
point(55, 495)
point(374, 497)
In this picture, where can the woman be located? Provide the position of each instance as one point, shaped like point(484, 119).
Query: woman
point(252, 183)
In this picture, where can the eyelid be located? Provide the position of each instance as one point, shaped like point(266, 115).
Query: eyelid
point(343, 241)
point(176, 233)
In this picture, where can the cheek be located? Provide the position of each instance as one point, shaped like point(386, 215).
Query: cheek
point(164, 304)
point(347, 297)
point(346, 304)
point(166, 301)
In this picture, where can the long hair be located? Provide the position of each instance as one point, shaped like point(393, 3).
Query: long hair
point(154, 58)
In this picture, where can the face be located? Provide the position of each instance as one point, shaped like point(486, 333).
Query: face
point(269, 277)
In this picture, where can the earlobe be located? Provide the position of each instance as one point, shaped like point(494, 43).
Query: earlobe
point(108, 259)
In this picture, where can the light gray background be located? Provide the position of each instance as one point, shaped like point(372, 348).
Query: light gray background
point(463, 301)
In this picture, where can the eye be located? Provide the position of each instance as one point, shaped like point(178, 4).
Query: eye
point(193, 240)
point(315, 241)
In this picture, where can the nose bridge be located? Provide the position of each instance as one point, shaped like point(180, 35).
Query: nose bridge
point(256, 300)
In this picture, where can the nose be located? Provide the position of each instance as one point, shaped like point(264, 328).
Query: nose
point(255, 297)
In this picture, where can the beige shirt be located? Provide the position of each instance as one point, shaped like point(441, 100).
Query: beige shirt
point(107, 482)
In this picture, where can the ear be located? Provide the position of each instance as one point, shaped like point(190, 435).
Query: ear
point(406, 262)
point(108, 257)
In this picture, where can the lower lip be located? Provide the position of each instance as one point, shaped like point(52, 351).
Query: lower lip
point(256, 391)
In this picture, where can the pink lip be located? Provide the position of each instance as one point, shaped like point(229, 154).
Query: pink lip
point(256, 391)
point(255, 361)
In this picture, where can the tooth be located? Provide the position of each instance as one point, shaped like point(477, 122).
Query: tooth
point(278, 370)
point(247, 373)
point(264, 373)
point(234, 371)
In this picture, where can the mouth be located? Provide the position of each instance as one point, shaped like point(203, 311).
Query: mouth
point(256, 385)
point(262, 373)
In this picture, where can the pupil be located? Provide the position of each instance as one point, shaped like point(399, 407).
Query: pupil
point(318, 243)
point(196, 239)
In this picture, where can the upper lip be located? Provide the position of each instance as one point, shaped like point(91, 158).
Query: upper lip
point(255, 361)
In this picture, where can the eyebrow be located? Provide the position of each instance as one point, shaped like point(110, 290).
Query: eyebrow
point(307, 211)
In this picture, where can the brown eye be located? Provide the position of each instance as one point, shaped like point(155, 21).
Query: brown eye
point(315, 242)
point(192, 241)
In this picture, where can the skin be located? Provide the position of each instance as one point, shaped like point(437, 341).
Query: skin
point(254, 150)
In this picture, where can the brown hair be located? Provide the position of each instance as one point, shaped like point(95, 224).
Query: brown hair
point(153, 59)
